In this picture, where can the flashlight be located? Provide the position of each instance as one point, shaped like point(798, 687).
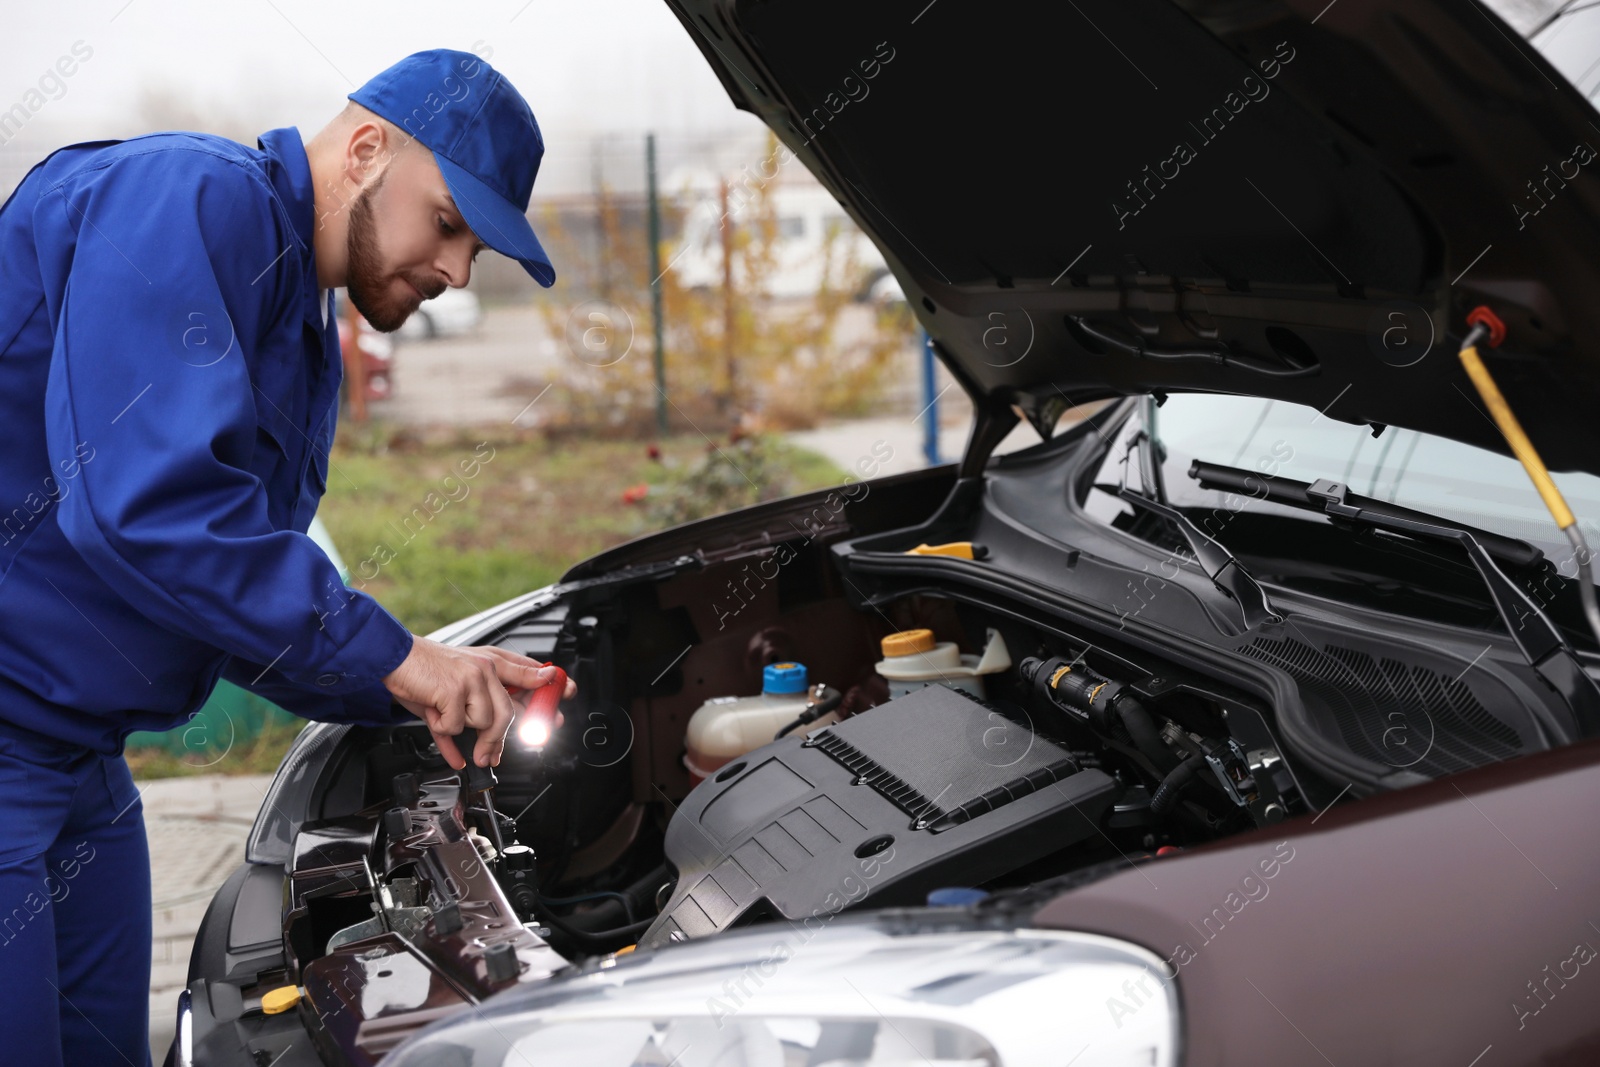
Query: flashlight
point(537, 719)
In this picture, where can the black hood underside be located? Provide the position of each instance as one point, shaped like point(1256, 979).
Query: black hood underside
point(1291, 200)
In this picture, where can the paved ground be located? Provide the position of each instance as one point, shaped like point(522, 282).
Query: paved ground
point(485, 377)
point(197, 828)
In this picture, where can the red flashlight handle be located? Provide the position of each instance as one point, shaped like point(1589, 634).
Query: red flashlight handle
point(542, 704)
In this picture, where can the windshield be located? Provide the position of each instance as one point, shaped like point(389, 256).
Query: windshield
point(1571, 42)
point(1431, 474)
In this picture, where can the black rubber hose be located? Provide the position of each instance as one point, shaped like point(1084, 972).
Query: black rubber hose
point(622, 898)
point(610, 912)
point(816, 709)
point(1142, 728)
point(587, 938)
point(1173, 785)
point(592, 940)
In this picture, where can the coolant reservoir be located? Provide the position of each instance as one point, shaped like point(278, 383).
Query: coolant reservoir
point(913, 659)
point(725, 728)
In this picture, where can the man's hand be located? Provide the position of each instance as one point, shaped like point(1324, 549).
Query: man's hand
point(448, 688)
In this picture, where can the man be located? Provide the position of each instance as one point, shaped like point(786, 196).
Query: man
point(169, 372)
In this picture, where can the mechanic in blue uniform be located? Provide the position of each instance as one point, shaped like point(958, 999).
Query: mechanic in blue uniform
point(169, 378)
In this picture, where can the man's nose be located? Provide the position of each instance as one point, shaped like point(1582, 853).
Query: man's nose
point(455, 264)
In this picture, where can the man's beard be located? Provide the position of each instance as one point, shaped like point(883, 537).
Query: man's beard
point(365, 280)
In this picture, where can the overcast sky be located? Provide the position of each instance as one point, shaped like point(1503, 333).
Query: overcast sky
point(585, 66)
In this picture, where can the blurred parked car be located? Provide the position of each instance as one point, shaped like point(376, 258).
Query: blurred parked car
point(452, 312)
point(885, 290)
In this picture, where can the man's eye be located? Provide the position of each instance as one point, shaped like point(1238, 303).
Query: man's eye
point(445, 228)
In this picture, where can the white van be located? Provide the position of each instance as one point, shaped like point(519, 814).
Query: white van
point(805, 213)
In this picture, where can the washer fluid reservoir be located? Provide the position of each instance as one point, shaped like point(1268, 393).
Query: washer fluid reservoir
point(913, 659)
point(725, 728)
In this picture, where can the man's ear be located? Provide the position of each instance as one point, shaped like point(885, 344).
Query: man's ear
point(367, 151)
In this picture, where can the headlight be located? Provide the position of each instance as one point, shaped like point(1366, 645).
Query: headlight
point(288, 799)
point(850, 994)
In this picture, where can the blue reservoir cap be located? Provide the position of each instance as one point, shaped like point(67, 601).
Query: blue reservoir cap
point(784, 678)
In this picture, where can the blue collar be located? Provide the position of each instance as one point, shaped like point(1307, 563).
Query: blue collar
point(291, 177)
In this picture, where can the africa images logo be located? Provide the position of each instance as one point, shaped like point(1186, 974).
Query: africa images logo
point(202, 335)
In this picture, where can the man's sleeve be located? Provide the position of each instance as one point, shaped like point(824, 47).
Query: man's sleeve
point(168, 514)
point(372, 706)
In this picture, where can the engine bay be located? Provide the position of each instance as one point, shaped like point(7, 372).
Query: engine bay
point(400, 911)
point(802, 718)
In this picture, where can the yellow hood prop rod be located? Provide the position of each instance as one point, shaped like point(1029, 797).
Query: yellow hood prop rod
point(1486, 325)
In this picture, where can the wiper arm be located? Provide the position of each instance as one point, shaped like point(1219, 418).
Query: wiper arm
point(1220, 565)
point(1537, 637)
point(1370, 512)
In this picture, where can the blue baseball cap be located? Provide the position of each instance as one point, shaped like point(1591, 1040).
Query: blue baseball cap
point(483, 136)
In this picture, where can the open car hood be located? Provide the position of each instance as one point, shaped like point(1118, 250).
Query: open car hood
point(1295, 200)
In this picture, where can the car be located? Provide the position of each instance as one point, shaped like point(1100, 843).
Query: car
point(450, 314)
point(1248, 719)
point(885, 291)
point(815, 241)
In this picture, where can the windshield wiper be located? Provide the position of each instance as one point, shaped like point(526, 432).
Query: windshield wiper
point(1536, 636)
point(1377, 513)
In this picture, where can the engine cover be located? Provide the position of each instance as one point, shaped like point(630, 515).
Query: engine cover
point(933, 789)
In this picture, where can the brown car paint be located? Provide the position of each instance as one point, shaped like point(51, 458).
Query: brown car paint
point(1454, 923)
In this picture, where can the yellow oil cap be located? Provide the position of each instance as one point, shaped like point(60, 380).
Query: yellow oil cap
point(276, 1001)
point(907, 643)
point(958, 549)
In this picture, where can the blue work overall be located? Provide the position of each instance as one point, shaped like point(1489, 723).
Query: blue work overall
point(169, 380)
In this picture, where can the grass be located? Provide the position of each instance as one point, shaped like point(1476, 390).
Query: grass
point(437, 529)
point(260, 755)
